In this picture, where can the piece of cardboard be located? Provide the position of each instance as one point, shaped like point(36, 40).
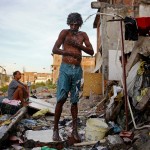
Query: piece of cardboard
point(92, 84)
point(99, 61)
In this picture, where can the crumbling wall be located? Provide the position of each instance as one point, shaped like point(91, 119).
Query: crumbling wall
point(144, 10)
point(111, 33)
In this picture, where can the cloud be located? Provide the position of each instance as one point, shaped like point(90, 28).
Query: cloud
point(29, 29)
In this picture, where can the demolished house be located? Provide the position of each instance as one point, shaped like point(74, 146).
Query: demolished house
point(115, 97)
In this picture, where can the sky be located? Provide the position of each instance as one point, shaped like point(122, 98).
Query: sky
point(29, 29)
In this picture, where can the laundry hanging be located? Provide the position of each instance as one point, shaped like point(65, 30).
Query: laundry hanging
point(131, 29)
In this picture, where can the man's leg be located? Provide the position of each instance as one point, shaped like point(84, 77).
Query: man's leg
point(63, 86)
point(74, 113)
point(75, 87)
point(25, 94)
point(25, 97)
point(58, 111)
point(18, 94)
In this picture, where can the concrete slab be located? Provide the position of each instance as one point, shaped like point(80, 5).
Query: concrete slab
point(41, 104)
point(44, 136)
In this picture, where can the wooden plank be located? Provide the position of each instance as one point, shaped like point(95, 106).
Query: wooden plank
point(142, 46)
point(134, 57)
point(15, 119)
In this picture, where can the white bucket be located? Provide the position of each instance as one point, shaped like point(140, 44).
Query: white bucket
point(95, 129)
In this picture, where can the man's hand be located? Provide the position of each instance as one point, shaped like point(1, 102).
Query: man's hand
point(73, 43)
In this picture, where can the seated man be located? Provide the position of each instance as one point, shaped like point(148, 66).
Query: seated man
point(17, 90)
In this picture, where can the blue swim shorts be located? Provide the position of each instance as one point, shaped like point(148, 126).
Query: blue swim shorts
point(69, 81)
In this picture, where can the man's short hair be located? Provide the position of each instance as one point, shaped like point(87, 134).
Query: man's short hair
point(74, 18)
point(14, 73)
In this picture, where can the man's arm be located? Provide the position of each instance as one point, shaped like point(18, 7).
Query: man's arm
point(16, 84)
point(21, 85)
point(87, 48)
point(59, 42)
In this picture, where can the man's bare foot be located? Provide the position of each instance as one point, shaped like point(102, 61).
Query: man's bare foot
point(25, 104)
point(56, 136)
point(76, 135)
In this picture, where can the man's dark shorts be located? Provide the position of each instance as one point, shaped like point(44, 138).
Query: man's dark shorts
point(69, 81)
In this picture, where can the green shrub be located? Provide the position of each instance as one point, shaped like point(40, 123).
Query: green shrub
point(4, 88)
point(48, 84)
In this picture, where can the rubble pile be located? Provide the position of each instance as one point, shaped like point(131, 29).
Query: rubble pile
point(101, 125)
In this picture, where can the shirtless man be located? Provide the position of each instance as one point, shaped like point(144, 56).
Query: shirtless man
point(17, 90)
point(70, 72)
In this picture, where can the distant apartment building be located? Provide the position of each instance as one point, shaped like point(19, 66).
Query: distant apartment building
point(43, 77)
point(34, 77)
point(28, 77)
point(88, 65)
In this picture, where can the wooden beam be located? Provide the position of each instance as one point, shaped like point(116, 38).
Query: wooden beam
point(15, 119)
point(141, 47)
point(95, 5)
point(99, 4)
point(96, 21)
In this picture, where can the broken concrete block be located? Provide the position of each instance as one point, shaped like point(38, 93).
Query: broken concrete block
point(41, 136)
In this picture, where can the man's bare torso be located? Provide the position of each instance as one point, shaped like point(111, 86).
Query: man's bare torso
point(77, 38)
